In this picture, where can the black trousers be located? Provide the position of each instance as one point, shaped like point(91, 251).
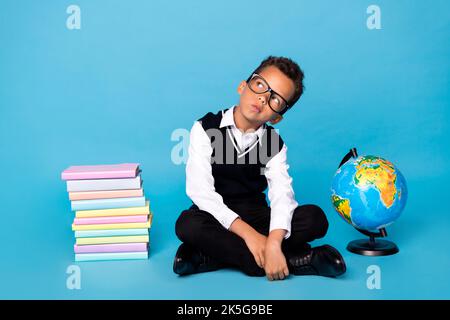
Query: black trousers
point(201, 230)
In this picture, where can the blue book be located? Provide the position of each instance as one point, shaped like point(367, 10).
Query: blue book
point(110, 233)
point(108, 203)
point(111, 256)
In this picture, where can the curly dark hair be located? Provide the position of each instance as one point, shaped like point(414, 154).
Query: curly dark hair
point(291, 69)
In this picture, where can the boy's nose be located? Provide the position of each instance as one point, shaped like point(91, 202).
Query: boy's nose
point(262, 99)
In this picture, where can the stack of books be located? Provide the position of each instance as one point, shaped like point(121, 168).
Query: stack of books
point(112, 216)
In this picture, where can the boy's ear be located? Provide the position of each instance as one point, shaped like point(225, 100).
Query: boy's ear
point(241, 87)
point(276, 119)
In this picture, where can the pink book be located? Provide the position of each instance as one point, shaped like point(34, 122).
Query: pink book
point(108, 220)
point(106, 171)
point(106, 194)
point(117, 247)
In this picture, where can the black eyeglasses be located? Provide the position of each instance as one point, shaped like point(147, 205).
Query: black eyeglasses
point(259, 85)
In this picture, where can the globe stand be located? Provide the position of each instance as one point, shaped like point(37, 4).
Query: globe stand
point(372, 247)
point(369, 247)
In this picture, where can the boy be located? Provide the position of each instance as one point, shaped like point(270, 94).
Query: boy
point(233, 157)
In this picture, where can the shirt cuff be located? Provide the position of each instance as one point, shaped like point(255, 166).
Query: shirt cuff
point(279, 222)
point(226, 217)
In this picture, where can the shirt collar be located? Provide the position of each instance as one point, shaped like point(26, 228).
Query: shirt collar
point(228, 121)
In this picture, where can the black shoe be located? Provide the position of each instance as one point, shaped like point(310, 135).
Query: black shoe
point(189, 260)
point(322, 261)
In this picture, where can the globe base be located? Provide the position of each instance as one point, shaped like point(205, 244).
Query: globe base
point(367, 247)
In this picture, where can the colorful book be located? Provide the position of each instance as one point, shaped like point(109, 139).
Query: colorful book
point(111, 256)
point(108, 203)
point(118, 219)
point(104, 184)
point(111, 233)
point(110, 240)
point(145, 225)
point(116, 247)
point(122, 170)
point(106, 194)
point(131, 211)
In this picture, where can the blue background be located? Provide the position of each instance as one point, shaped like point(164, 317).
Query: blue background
point(115, 91)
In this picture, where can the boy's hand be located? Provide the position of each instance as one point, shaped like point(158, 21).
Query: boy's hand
point(276, 265)
point(256, 243)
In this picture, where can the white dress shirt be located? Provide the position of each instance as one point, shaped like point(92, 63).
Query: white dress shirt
point(200, 181)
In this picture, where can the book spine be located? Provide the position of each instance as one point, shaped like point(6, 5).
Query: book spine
point(112, 226)
point(90, 195)
point(111, 256)
point(110, 233)
point(112, 240)
point(114, 212)
point(116, 247)
point(104, 184)
point(124, 170)
point(103, 220)
point(108, 203)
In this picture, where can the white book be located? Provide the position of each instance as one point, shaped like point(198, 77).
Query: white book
point(104, 184)
point(111, 233)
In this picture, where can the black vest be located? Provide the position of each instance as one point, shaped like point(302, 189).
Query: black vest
point(239, 174)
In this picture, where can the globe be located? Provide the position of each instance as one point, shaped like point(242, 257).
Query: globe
point(369, 192)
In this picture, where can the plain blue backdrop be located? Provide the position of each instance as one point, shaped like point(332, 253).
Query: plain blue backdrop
point(116, 89)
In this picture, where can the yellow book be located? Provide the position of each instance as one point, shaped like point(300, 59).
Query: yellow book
point(134, 225)
point(130, 211)
point(107, 240)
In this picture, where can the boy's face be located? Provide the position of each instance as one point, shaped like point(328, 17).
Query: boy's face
point(254, 107)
